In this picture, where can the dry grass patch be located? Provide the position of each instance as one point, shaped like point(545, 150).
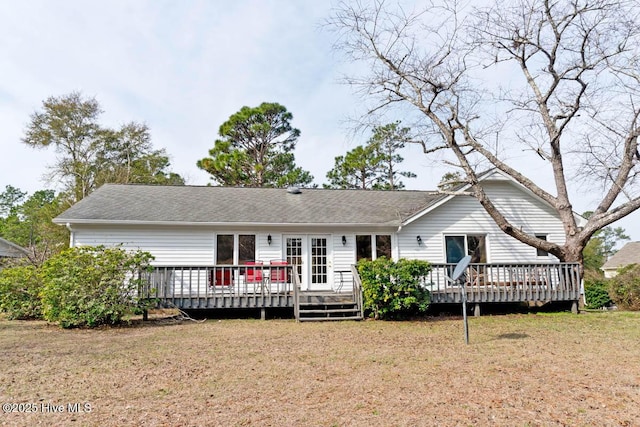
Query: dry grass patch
point(519, 370)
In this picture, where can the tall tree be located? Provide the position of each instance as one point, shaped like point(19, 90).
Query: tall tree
point(358, 169)
point(89, 154)
point(28, 223)
point(388, 140)
point(256, 149)
point(127, 156)
point(450, 181)
point(10, 199)
point(374, 165)
point(568, 92)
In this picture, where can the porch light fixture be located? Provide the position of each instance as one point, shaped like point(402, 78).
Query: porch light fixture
point(419, 239)
point(344, 240)
point(269, 239)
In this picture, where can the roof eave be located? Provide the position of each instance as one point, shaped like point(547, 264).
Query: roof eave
point(65, 221)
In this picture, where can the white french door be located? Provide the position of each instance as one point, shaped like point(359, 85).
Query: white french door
point(311, 256)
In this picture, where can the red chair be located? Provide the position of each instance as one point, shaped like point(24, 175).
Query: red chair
point(278, 271)
point(221, 277)
point(254, 275)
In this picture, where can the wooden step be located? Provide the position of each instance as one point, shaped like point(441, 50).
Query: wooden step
point(326, 304)
point(331, 311)
point(328, 319)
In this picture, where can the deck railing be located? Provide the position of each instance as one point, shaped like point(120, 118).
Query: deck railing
point(506, 282)
point(220, 286)
point(276, 285)
point(357, 289)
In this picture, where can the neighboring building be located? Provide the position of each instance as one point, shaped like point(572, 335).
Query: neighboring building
point(11, 250)
point(628, 254)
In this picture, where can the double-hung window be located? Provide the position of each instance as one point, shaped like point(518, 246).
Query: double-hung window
point(458, 246)
point(235, 248)
point(372, 246)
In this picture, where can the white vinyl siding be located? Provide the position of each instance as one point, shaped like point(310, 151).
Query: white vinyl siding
point(463, 215)
point(268, 252)
point(170, 247)
point(343, 257)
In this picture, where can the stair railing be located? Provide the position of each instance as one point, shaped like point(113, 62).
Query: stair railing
point(357, 290)
point(296, 294)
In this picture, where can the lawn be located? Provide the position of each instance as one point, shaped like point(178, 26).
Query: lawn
point(519, 370)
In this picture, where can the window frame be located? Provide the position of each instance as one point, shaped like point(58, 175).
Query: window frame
point(541, 253)
point(236, 247)
point(373, 245)
point(466, 236)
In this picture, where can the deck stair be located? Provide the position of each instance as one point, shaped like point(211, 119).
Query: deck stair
point(318, 306)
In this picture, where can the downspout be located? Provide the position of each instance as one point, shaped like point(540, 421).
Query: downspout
point(68, 225)
point(396, 239)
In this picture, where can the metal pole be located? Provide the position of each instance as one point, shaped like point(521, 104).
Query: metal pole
point(464, 311)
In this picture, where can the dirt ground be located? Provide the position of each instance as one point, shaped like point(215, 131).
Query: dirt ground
point(518, 370)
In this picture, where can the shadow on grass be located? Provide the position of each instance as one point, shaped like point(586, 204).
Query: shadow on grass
point(512, 336)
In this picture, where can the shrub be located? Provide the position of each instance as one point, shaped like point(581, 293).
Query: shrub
point(19, 292)
point(91, 286)
point(624, 288)
point(392, 289)
point(596, 293)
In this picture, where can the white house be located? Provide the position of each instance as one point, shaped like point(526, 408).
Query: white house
point(322, 232)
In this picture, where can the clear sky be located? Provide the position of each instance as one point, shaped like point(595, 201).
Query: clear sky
point(183, 67)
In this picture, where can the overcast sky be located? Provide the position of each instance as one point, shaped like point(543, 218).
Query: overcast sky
point(183, 67)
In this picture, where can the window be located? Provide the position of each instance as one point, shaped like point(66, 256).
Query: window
point(226, 248)
point(383, 246)
point(365, 248)
point(457, 247)
point(246, 248)
point(476, 248)
point(540, 252)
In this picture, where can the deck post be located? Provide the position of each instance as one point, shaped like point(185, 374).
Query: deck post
point(574, 307)
point(263, 313)
point(476, 310)
point(145, 315)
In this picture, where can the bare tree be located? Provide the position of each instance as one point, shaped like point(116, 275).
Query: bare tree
point(559, 79)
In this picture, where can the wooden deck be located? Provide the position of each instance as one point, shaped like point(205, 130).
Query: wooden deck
point(508, 283)
point(246, 287)
point(275, 286)
point(218, 287)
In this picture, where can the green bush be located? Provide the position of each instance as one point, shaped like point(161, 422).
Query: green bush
point(392, 289)
point(19, 292)
point(624, 289)
point(91, 286)
point(596, 293)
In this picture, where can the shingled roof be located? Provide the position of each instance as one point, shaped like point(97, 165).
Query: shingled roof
point(9, 249)
point(628, 254)
point(139, 204)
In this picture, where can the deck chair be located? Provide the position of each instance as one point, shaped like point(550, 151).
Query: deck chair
point(254, 275)
point(221, 277)
point(278, 273)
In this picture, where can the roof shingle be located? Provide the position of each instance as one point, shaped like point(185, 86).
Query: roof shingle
point(242, 205)
point(628, 254)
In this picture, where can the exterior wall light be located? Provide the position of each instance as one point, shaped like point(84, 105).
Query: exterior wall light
point(269, 239)
point(344, 240)
point(419, 239)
